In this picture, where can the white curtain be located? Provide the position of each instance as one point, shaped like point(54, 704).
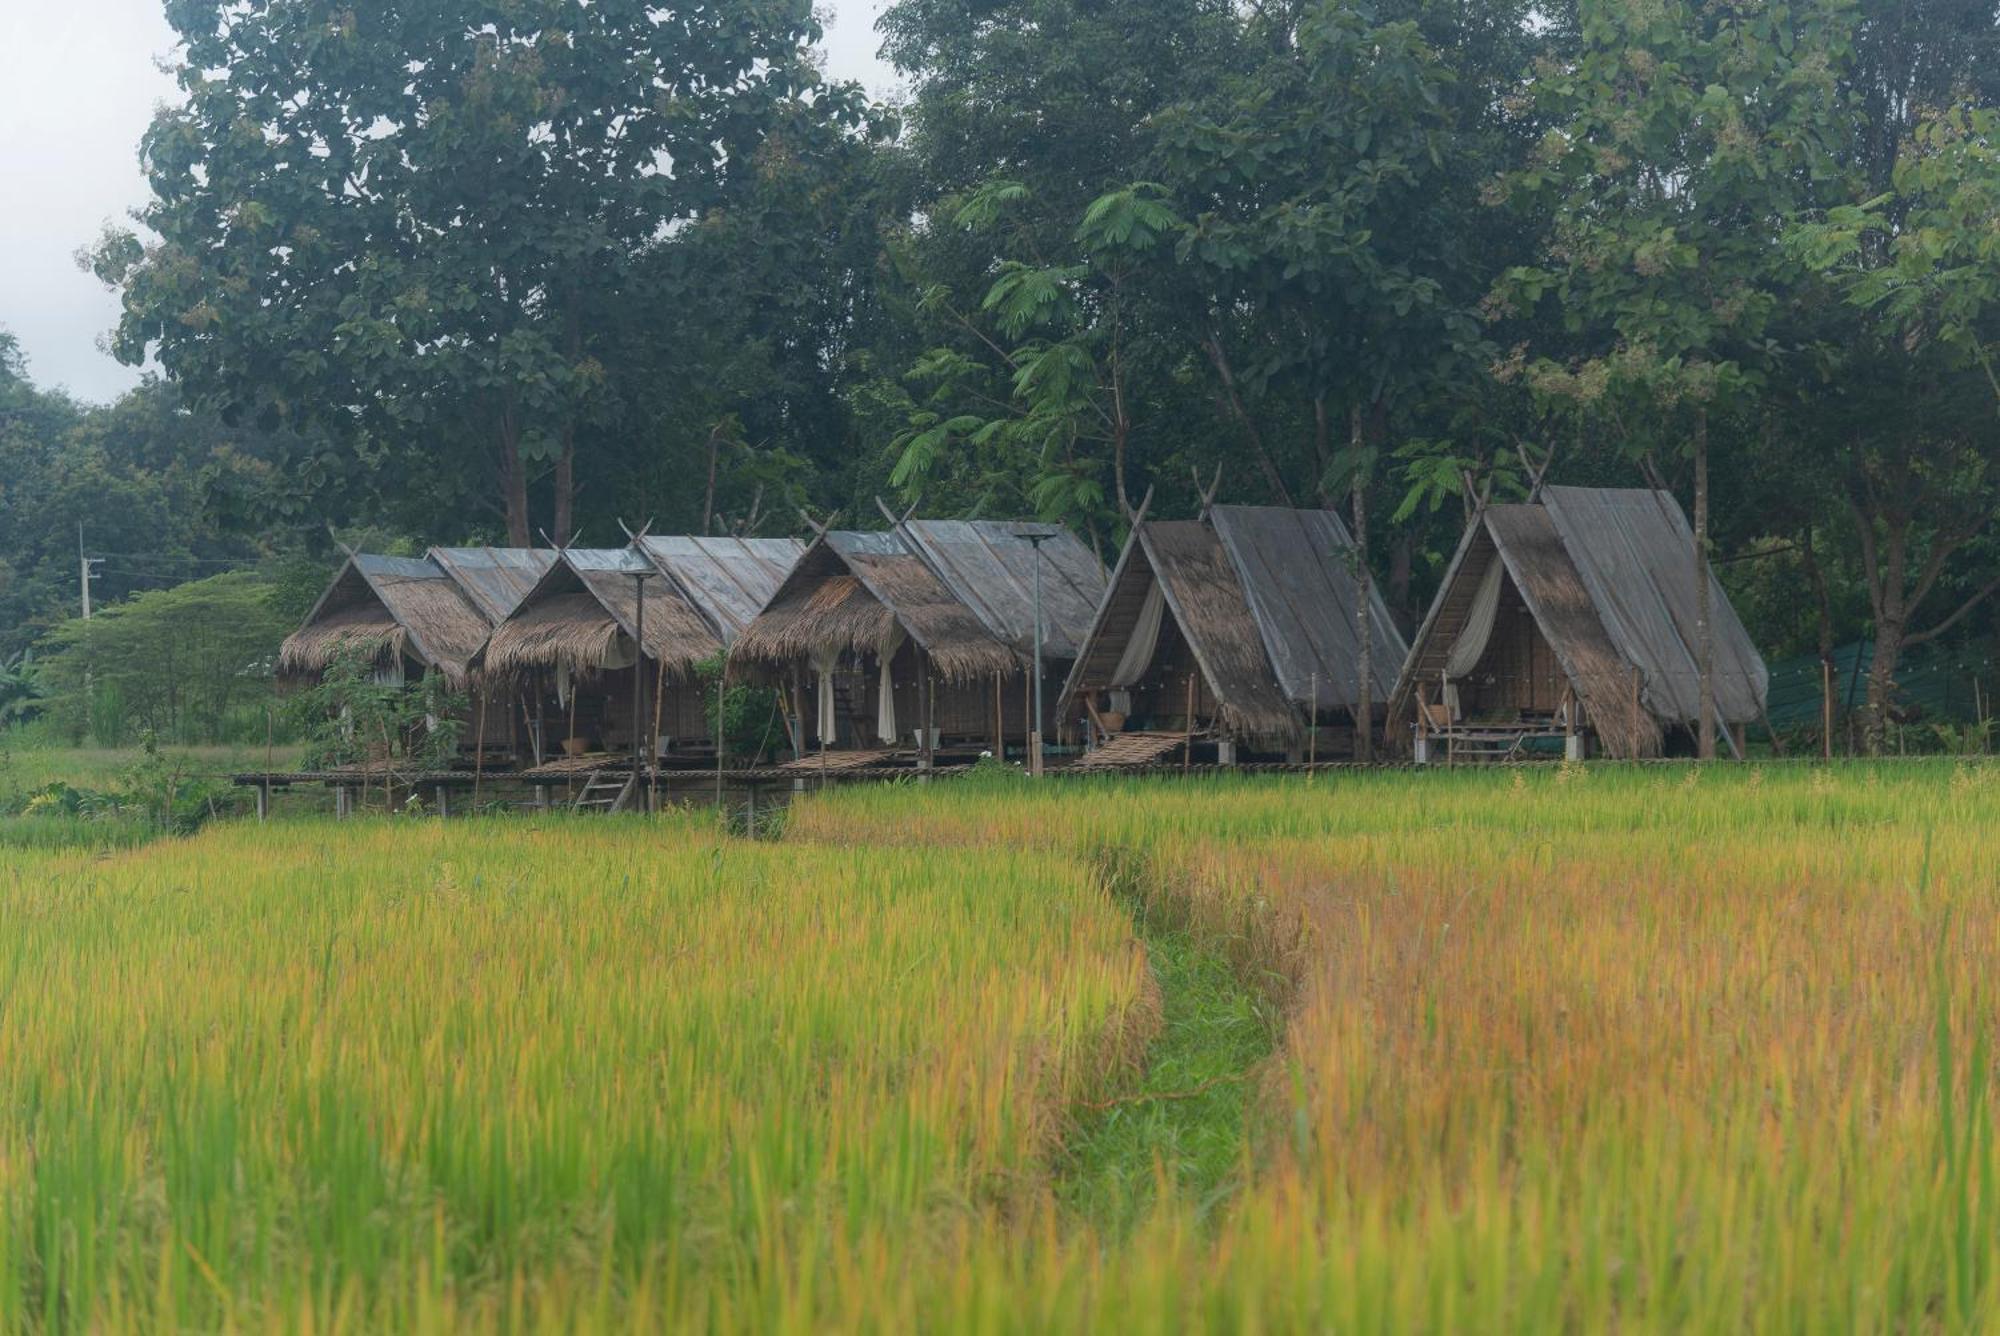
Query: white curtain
point(885, 692)
point(622, 652)
point(829, 726)
point(1470, 646)
point(562, 685)
point(1138, 655)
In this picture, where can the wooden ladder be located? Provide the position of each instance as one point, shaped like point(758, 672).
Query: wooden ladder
point(604, 791)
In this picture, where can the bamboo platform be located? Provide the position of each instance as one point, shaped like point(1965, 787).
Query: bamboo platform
point(569, 767)
point(1124, 751)
point(826, 761)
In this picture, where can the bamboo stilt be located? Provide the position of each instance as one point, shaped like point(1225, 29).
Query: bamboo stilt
point(478, 750)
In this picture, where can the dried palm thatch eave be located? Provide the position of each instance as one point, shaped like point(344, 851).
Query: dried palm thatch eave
point(444, 626)
point(816, 619)
point(822, 616)
point(959, 646)
point(572, 633)
point(309, 651)
point(675, 633)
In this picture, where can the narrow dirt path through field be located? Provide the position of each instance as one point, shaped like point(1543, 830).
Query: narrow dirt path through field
point(1183, 1125)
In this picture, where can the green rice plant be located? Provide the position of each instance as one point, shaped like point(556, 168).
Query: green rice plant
point(1645, 1047)
point(383, 1075)
point(1642, 1046)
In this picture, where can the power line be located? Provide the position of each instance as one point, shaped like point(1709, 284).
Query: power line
point(176, 556)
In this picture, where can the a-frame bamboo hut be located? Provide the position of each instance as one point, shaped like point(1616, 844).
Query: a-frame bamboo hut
point(1568, 619)
point(404, 615)
point(921, 637)
point(564, 661)
point(1223, 638)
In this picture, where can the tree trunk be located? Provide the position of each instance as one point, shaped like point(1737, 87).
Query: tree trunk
point(1823, 625)
point(1269, 467)
point(565, 486)
point(1822, 599)
point(1704, 621)
point(708, 496)
point(1884, 564)
point(1402, 573)
point(1121, 428)
point(1364, 691)
point(1322, 449)
point(1882, 685)
point(565, 471)
point(513, 479)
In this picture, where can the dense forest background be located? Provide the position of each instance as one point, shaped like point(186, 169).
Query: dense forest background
point(500, 270)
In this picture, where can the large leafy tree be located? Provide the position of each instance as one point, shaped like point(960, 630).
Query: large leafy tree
point(1035, 370)
point(163, 493)
point(1325, 198)
point(1896, 381)
point(413, 224)
point(1682, 140)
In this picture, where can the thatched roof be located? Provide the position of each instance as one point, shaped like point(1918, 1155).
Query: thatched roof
point(992, 569)
point(495, 578)
point(584, 610)
point(363, 629)
point(849, 591)
point(1205, 599)
point(1608, 575)
point(728, 579)
point(386, 608)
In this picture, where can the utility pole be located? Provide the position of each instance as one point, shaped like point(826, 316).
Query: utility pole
point(84, 575)
point(83, 579)
point(1036, 538)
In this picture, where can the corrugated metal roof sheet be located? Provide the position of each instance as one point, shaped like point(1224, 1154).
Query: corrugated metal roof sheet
point(496, 578)
point(1635, 552)
point(729, 579)
point(991, 568)
point(607, 559)
point(866, 543)
point(411, 568)
point(1293, 566)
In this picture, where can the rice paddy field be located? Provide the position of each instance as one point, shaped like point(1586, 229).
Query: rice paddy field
point(1504, 1050)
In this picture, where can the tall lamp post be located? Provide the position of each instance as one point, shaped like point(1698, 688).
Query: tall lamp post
point(1036, 538)
point(639, 579)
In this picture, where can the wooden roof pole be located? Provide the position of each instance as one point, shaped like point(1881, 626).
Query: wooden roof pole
point(896, 522)
point(1207, 494)
point(819, 530)
point(1536, 472)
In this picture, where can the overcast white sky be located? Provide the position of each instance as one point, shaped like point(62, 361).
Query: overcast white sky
point(79, 80)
